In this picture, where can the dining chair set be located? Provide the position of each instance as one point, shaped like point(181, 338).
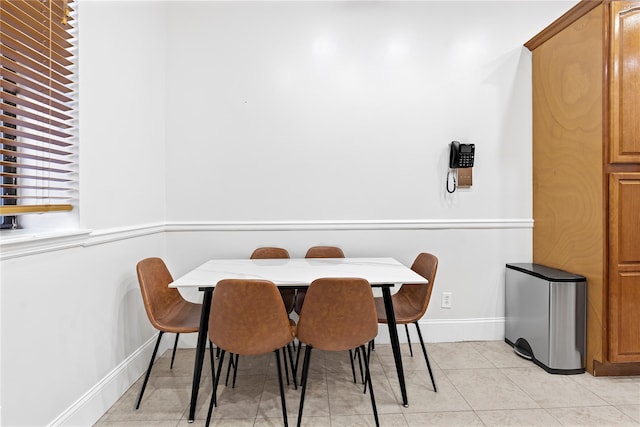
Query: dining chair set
point(253, 317)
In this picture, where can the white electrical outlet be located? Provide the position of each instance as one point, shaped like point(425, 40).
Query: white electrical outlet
point(446, 300)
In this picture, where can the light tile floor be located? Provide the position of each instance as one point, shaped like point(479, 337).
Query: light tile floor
point(479, 383)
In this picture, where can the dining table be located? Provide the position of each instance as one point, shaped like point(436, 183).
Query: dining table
point(384, 273)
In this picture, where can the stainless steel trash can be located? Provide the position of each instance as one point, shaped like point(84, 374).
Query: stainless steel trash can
point(546, 317)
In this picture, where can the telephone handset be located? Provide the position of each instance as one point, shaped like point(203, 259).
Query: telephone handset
point(461, 155)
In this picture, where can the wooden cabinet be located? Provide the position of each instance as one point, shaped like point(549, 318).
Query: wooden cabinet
point(624, 273)
point(586, 169)
point(625, 82)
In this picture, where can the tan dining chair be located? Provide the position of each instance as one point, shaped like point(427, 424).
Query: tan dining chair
point(338, 314)
point(166, 309)
point(288, 298)
point(411, 301)
point(288, 295)
point(317, 252)
point(248, 317)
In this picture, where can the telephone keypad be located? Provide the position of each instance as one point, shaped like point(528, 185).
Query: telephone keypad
point(466, 160)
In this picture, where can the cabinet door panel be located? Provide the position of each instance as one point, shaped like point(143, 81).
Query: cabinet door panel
point(624, 274)
point(625, 82)
point(628, 316)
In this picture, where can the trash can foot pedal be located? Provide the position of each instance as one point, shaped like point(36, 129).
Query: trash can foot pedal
point(523, 349)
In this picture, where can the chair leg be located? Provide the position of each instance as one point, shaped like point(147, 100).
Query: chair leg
point(298, 356)
point(305, 374)
point(146, 377)
point(369, 347)
point(426, 358)
point(284, 405)
point(360, 364)
point(233, 361)
point(406, 329)
point(213, 371)
point(175, 345)
point(235, 372)
point(293, 369)
point(215, 388)
point(368, 379)
point(211, 356)
point(286, 368)
point(353, 369)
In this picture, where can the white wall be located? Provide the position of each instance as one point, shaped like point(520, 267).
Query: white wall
point(344, 110)
point(70, 317)
point(122, 106)
point(311, 123)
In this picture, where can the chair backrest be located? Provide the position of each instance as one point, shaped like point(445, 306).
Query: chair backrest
point(324, 252)
point(269, 252)
point(159, 299)
point(248, 317)
point(338, 314)
point(425, 265)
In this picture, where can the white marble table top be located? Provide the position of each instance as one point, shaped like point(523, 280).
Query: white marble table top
point(298, 271)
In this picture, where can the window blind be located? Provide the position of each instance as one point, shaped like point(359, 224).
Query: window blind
point(37, 144)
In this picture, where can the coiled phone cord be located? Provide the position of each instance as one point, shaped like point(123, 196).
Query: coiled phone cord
point(455, 182)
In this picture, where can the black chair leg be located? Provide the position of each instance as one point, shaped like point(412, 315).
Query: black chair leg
point(424, 351)
point(286, 368)
point(353, 369)
point(235, 372)
point(298, 356)
point(233, 361)
point(305, 374)
point(146, 377)
point(215, 388)
point(284, 405)
point(175, 345)
point(211, 355)
point(213, 371)
point(360, 364)
point(369, 347)
point(368, 379)
point(406, 329)
point(293, 369)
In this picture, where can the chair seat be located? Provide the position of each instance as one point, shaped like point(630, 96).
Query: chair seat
point(183, 317)
point(404, 308)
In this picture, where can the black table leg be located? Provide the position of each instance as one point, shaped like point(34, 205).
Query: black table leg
point(200, 350)
point(395, 342)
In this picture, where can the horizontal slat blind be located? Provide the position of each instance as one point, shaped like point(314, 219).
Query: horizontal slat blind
point(37, 145)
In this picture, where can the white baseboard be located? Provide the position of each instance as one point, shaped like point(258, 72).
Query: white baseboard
point(95, 402)
point(449, 330)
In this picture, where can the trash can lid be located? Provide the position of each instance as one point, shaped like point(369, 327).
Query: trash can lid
point(546, 273)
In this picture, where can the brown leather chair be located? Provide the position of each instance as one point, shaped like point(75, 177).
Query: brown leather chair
point(288, 298)
point(288, 295)
point(411, 301)
point(338, 314)
point(317, 252)
point(320, 252)
point(165, 307)
point(248, 317)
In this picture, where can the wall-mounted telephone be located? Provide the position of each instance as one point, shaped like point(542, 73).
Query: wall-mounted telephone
point(461, 158)
point(461, 155)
